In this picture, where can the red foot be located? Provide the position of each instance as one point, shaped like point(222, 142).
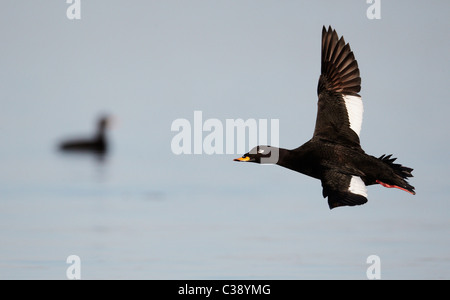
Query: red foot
point(393, 186)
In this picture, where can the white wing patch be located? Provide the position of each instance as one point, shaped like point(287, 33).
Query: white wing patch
point(355, 111)
point(357, 186)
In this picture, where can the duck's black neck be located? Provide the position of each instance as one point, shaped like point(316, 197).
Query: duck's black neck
point(297, 160)
point(101, 132)
point(100, 135)
point(283, 156)
point(101, 129)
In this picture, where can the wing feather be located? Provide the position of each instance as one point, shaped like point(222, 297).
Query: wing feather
point(338, 119)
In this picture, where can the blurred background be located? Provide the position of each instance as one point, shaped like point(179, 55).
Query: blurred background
point(143, 212)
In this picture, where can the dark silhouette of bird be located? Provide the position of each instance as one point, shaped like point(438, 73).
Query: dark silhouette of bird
point(334, 154)
point(97, 144)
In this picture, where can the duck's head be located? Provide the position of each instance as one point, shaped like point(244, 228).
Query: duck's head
point(261, 155)
point(106, 122)
point(103, 123)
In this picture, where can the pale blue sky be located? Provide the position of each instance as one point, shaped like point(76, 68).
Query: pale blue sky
point(150, 62)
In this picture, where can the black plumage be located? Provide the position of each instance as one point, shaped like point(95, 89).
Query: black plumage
point(334, 154)
point(97, 144)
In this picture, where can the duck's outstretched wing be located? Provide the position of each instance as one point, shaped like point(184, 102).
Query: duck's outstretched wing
point(340, 108)
point(343, 189)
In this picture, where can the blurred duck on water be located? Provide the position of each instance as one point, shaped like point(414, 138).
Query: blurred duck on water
point(97, 144)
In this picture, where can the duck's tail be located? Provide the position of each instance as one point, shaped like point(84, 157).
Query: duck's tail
point(402, 174)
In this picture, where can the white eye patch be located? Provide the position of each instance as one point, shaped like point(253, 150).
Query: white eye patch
point(261, 151)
